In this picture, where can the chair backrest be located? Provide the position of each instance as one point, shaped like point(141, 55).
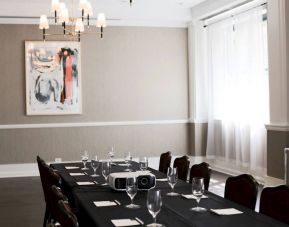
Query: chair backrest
point(43, 172)
point(48, 177)
point(55, 195)
point(202, 170)
point(242, 189)
point(53, 178)
point(274, 202)
point(66, 217)
point(165, 162)
point(182, 164)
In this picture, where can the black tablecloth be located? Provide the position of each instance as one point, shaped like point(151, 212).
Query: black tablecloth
point(175, 211)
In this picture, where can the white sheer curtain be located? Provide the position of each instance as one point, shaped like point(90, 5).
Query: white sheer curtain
point(238, 90)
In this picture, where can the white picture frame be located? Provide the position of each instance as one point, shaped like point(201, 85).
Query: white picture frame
point(53, 77)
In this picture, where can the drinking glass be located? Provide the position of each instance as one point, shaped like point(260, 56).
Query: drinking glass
point(172, 180)
point(198, 191)
point(143, 163)
point(154, 204)
point(105, 171)
point(84, 159)
point(94, 165)
point(131, 190)
point(127, 160)
point(111, 154)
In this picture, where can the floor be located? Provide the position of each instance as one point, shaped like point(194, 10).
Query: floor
point(22, 202)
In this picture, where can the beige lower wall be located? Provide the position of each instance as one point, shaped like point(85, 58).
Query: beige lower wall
point(198, 138)
point(22, 145)
point(276, 142)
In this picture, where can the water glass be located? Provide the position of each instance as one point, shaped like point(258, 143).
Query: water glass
point(131, 190)
point(198, 191)
point(172, 180)
point(154, 204)
point(127, 160)
point(94, 165)
point(143, 163)
point(105, 171)
point(84, 159)
point(111, 154)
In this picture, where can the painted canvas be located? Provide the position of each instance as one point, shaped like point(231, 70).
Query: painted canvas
point(53, 78)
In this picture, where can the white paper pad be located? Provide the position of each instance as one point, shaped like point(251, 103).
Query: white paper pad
point(85, 183)
point(143, 171)
point(105, 203)
point(77, 174)
point(228, 211)
point(162, 179)
point(125, 222)
point(71, 167)
point(122, 164)
point(190, 196)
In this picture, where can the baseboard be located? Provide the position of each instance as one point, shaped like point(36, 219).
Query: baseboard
point(19, 170)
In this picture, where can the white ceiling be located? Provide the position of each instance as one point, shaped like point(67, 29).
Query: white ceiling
point(174, 13)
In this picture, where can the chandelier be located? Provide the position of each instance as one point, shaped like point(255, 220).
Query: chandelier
point(72, 27)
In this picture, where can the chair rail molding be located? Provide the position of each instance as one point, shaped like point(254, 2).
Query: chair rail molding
point(93, 124)
point(277, 127)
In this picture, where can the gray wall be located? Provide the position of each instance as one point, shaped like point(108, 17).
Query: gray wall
point(276, 142)
point(198, 138)
point(134, 74)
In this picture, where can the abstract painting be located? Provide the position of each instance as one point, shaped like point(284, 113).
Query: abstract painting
point(53, 78)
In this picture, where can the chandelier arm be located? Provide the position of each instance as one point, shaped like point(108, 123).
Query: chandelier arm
point(55, 34)
point(90, 33)
point(73, 33)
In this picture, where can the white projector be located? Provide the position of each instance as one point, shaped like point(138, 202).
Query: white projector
point(145, 180)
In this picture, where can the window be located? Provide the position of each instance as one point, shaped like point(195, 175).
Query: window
point(238, 89)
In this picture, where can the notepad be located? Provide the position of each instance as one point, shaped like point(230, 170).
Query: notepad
point(71, 167)
point(77, 174)
point(124, 222)
point(162, 179)
point(228, 211)
point(190, 196)
point(85, 183)
point(104, 203)
point(123, 164)
point(143, 171)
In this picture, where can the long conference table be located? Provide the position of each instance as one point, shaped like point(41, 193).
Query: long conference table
point(175, 211)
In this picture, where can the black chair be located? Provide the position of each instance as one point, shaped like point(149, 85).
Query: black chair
point(201, 170)
point(182, 164)
point(43, 171)
point(48, 178)
point(165, 162)
point(55, 195)
point(274, 202)
point(242, 189)
point(66, 217)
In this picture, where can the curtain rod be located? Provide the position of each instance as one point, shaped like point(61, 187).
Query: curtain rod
point(230, 9)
